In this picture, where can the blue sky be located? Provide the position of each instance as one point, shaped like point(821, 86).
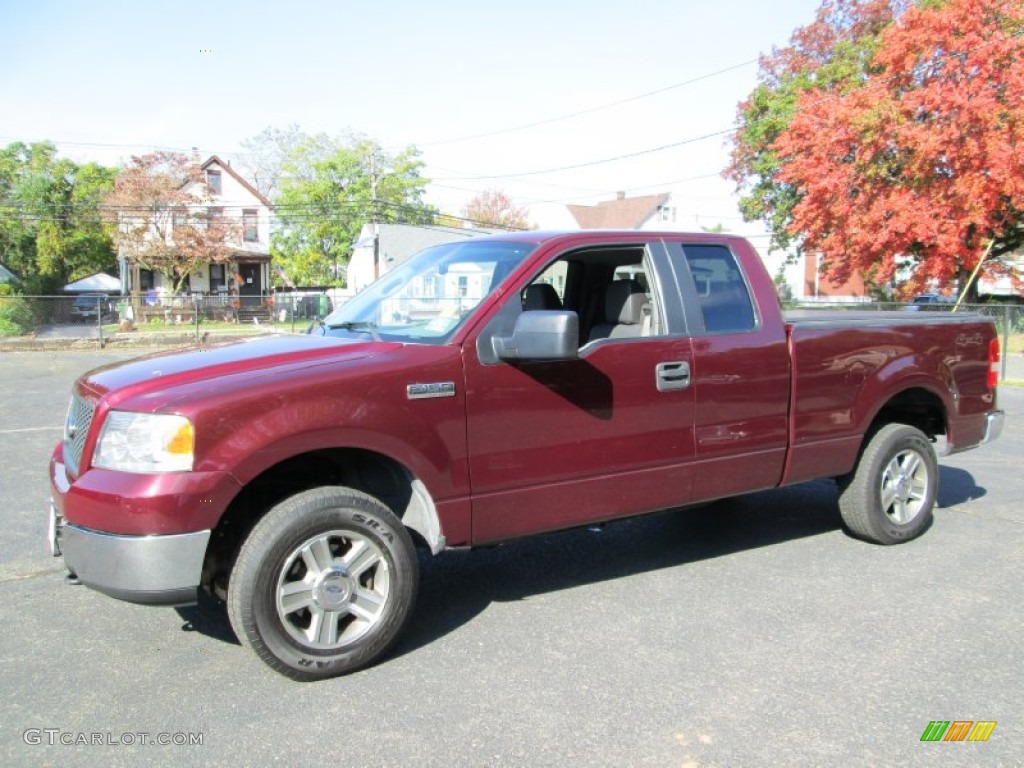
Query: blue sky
point(106, 79)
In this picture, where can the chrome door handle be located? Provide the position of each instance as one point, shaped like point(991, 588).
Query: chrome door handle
point(672, 376)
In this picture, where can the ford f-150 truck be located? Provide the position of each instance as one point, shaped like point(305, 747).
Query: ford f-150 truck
point(488, 389)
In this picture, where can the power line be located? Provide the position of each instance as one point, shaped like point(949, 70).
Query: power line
point(867, 86)
point(591, 110)
point(540, 201)
point(590, 163)
point(498, 132)
point(418, 215)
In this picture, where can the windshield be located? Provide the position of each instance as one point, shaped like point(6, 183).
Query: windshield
point(428, 297)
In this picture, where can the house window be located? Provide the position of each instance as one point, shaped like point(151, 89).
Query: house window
point(463, 285)
point(666, 213)
point(217, 282)
point(213, 185)
point(250, 228)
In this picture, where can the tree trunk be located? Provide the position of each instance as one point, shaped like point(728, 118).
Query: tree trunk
point(968, 287)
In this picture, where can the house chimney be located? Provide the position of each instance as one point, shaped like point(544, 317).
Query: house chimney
point(620, 195)
point(195, 155)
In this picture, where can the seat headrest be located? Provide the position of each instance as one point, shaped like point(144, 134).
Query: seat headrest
point(624, 302)
point(541, 296)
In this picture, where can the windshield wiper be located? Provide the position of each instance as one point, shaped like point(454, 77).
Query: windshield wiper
point(356, 326)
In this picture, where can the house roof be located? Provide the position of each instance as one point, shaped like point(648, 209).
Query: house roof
point(213, 159)
point(400, 241)
point(98, 282)
point(621, 213)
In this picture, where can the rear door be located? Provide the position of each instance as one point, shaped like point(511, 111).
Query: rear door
point(557, 444)
point(741, 371)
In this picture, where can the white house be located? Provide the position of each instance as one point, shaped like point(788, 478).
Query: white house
point(1005, 285)
point(222, 192)
point(382, 247)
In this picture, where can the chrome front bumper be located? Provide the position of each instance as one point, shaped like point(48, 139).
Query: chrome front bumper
point(156, 570)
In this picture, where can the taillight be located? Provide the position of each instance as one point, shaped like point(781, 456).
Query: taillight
point(993, 363)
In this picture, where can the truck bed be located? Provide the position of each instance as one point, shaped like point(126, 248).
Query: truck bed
point(846, 363)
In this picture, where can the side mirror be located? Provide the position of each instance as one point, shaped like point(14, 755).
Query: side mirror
point(541, 335)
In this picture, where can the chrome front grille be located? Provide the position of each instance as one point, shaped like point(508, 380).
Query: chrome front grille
point(76, 429)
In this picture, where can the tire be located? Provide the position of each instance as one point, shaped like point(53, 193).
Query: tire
point(324, 584)
point(889, 496)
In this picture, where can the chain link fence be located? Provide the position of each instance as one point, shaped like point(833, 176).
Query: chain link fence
point(106, 318)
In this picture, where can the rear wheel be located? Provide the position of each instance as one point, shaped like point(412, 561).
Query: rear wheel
point(324, 584)
point(889, 496)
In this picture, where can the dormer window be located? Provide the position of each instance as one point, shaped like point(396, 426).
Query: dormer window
point(213, 185)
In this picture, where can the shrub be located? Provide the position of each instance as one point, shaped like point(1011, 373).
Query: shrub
point(15, 316)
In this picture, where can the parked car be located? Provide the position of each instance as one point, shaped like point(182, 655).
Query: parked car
point(87, 305)
point(929, 301)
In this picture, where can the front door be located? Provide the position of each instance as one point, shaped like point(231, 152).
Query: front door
point(251, 280)
point(558, 444)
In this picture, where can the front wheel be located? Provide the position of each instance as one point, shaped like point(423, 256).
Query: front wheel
point(324, 584)
point(889, 496)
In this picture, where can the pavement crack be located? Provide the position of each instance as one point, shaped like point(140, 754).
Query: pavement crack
point(13, 578)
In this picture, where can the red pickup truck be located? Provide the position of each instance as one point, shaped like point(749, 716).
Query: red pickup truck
point(485, 390)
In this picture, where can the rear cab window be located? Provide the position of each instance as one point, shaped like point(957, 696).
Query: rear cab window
point(716, 295)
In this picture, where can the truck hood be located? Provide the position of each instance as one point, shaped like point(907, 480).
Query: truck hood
point(166, 370)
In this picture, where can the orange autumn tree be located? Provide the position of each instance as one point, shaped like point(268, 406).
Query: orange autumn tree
point(831, 54)
point(921, 161)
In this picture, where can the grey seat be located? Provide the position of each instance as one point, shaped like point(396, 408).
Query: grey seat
point(540, 296)
point(624, 305)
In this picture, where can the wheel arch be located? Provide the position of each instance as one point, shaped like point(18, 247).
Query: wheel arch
point(915, 405)
point(371, 472)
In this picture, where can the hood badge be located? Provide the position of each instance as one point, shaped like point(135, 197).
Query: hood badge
point(434, 389)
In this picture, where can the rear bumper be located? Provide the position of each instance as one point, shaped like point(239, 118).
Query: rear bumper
point(981, 433)
point(154, 570)
point(993, 426)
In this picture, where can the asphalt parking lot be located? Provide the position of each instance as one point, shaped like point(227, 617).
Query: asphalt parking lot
point(752, 632)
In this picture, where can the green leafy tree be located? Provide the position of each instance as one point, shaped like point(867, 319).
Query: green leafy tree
point(52, 230)
point(329, 190)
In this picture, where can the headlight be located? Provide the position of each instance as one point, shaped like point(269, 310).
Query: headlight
point(145, 442)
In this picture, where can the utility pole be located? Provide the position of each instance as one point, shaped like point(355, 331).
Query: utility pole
point(373, 212)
